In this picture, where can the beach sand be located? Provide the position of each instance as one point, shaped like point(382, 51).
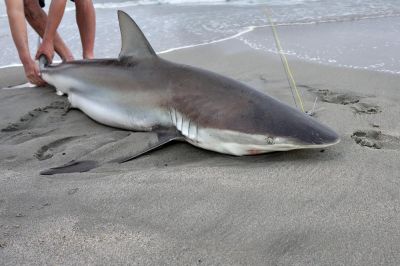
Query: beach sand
point(185, 206)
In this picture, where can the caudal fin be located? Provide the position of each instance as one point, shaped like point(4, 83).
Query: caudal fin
point(43, 62)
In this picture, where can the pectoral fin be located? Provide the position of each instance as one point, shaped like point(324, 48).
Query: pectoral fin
point(90, 161)
point(162, 139)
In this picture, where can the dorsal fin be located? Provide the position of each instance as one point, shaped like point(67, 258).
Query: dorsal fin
point(134, 43)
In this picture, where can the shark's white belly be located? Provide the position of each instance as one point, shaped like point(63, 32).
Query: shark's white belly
point(137, 118)
point(116, 112)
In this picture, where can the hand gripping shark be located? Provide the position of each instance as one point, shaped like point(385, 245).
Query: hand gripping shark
point(140, 91)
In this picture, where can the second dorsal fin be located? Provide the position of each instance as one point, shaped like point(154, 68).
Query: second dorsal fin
point(134, 43)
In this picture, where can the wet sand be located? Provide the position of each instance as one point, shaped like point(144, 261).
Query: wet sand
point(181, 205)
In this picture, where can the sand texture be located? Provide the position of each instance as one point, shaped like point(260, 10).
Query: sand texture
point(185, 206)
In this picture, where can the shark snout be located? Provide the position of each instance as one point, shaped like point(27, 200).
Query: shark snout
point(314, 137)
point(300, 134)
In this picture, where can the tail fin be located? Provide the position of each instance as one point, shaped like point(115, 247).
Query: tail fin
point(43, 62)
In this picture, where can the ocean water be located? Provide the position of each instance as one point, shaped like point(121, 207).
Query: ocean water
point(350, 33)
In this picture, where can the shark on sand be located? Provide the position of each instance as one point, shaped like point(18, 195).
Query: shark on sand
point(139, 91)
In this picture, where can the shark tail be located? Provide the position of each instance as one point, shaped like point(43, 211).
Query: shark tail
point(43, 62)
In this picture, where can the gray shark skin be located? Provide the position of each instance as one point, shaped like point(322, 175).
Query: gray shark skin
point(139, 91)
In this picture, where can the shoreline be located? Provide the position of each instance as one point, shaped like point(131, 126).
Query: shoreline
point(291, 52)
point(291, 59)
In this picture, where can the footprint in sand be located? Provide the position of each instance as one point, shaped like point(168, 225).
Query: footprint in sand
point(268, 80)
point(46, 152)
point(333, 97)
point(23, 121)
point(354, 100)
point(376, 139)
point(27, 119)
point(368, 138)
point(365, 108)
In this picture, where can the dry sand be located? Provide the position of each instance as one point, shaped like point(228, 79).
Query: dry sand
point(183, 206)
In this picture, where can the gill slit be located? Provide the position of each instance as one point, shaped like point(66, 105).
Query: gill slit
point(176, 119)
point(188, 132)
point(197, 134)
point(170, 115)
point(181, 122)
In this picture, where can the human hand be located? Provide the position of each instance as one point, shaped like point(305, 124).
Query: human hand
point(32, 73)
point(46, 48)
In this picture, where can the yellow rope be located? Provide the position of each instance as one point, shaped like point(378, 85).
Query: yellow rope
point(285, 62)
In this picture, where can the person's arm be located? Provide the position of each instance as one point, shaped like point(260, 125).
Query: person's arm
point(37, 18)
point(56, 13)
point(16, 18)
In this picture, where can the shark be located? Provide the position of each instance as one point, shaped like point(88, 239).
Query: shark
point(140, 91)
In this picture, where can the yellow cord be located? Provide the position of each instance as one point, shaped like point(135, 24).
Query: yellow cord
point(284, 60)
